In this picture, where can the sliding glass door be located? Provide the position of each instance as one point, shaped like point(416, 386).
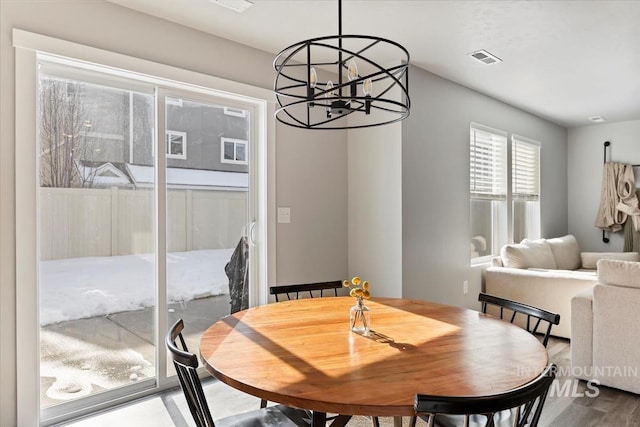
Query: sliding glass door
point(207, 142)
point(146, 206)
point(96, 236)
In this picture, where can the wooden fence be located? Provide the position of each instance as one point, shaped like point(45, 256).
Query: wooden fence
point(80, 222)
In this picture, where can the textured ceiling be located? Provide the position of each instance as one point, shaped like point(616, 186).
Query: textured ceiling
point(564, 61)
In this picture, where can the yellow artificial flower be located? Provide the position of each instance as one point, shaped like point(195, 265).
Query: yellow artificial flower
point(358, 287)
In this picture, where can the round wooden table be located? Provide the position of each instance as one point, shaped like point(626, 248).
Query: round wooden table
point(301, 353)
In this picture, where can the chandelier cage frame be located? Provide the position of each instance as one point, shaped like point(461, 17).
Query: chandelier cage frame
point(295, 89)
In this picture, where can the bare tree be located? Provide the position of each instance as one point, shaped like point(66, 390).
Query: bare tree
point(63, 123)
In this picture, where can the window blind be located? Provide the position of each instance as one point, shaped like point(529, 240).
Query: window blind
point(525, 169)
point(488, 170)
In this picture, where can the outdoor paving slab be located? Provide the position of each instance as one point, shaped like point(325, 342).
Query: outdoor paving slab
point(197, 314)
point(86, 356)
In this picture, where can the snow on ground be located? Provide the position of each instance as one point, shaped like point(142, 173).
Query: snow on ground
point(78, 288)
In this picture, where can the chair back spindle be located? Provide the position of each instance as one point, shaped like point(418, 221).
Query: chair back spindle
point(290, 290)
point(538, 314)
point(186, 365)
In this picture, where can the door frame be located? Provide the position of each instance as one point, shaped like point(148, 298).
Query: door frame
point(27, 45)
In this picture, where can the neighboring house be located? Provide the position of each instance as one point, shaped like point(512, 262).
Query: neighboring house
point(103, 174)
point(202, 136)
point(199, 136)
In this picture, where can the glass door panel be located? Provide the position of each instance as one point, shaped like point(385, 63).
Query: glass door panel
point(96, 238)
point(207, 178)
point(144, 198)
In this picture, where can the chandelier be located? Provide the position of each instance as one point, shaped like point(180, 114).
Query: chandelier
point(322, 80)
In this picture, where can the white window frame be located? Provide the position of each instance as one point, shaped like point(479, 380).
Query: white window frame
point(168, 136)
point(26, 47)
point(235, 142)
point(498, 195)
point(502, 202)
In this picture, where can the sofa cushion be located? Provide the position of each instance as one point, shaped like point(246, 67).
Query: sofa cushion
point(528, 254)
point(566, 252)
point(619, 273)
point(590, 259)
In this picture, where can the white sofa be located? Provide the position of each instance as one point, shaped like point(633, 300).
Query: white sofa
point(604, 340)
point(547, 273)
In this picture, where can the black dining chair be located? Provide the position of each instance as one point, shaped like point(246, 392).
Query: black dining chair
point(311, 290)
point(509, 310)
point(186, 365)
point(294, 291)
point(519, 407)
point(535, 316)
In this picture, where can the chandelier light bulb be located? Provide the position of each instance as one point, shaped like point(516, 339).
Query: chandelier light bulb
point(330, 91)
point(367, 87)
point(353, 70)
point(313, 78)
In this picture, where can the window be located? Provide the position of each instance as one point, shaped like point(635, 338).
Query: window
point(488, 191)
point(502, 211)
point(174, 101)
point(146, 236)
point(236, 112)
point(525, 188)
point(233, 151)
point(176, 145)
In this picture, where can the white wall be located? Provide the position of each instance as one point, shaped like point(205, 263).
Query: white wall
point(435, 183)
point(110, 27)
point(311, 175)
point(375, 207)
point(586, 155)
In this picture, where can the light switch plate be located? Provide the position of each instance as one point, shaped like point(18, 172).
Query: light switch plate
point(284, 215)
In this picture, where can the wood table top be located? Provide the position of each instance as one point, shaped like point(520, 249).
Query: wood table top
point(301, 353)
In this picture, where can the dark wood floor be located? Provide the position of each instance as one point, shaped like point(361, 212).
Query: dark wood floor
point(611, 407)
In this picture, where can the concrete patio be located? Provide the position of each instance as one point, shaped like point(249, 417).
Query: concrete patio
point(87, 356)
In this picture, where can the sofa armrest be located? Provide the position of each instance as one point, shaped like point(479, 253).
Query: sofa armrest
point(582, 334)
point(550, 290)
point(619, 273)
point(590, 259)
point(615, 338)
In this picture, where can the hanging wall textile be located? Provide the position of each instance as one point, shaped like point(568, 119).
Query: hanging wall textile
point(631, 236)
point(617, 197)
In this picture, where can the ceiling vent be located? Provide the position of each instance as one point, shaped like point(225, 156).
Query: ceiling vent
point(597, 119)
point(235, 5)
point(485, 57)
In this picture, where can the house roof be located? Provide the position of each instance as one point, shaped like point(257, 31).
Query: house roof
point(103, 174)
point(144, 176)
